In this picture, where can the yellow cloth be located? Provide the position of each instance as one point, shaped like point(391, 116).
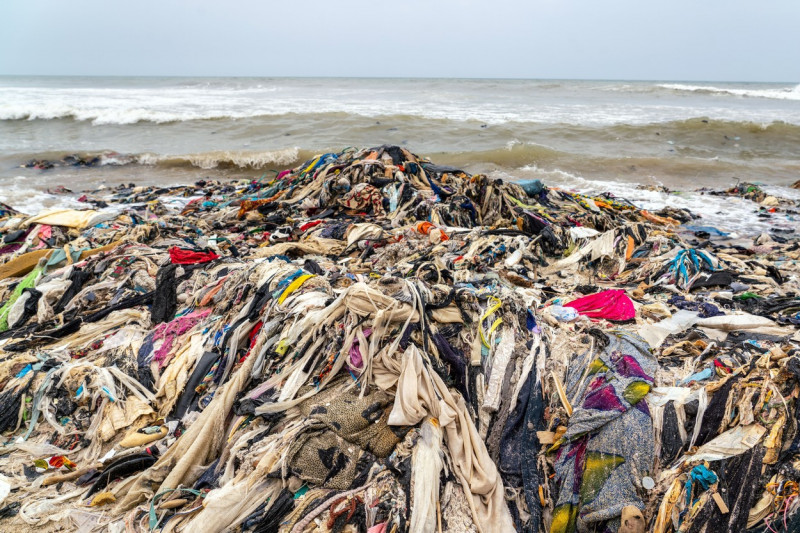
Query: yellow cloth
point(21, 265)
point(70, 218)
point(296, 284)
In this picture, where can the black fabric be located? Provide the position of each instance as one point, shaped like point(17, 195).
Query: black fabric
point(210, 477)
point(775, 274)
point(10, 401)
point(313, 267)
point(396, 153)
point(122, 467)
point(165, 301)
point(28, 310)
point(78, 278)
point(143, 372)
point(519, 449)
point(738, 478)
point(671, 444)
point(14, 236)
point(23, 331)
point(704, 309)
point(200, 370)
point(10, 510)
point(259, 300)
point(271, 521)
point(767, 306)
point(458, 364)
point(712, 418)
point(741, 476)
point(794, 524)
point(715, 279)
point(741, 337)
point(75, 324)
point(440, 169)
point(31, 305)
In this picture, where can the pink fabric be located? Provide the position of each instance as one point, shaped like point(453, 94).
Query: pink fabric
point(611, 305)
point(45, 232)
point(378, 528)
point(172, 330)
point(355, 361)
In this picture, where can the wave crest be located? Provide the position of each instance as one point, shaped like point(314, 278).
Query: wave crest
point(792, 93)
point(221, 159)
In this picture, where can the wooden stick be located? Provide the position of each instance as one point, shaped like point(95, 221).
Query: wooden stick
point(69, 476)
point(562, 395)
point(171, 504)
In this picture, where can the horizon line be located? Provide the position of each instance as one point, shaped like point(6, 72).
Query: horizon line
point(454, 78)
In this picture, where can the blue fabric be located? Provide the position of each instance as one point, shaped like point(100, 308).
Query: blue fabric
point(701, 475)
point(708, 229)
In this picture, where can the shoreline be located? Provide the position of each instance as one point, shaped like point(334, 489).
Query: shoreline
point(59, 180)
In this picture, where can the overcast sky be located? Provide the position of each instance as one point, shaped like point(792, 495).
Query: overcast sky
point(715, 40)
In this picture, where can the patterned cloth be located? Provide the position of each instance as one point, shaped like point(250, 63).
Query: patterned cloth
point(364, 197)
point(344, 435)
point(608, 445)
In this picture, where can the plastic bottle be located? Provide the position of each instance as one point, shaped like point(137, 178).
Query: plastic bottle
point(563, 314)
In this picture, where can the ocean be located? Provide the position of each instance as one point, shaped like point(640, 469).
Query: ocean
point(631, 138)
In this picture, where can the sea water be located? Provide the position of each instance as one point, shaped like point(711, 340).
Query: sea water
point(631, 138)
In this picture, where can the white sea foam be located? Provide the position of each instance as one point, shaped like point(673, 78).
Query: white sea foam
point(786, 93)
point(210, 160)
point(726, 213)
point(592, 104)
point(29, 197)
point(242, 158)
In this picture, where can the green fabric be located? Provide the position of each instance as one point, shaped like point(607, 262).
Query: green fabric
point(26, 283)
point(746, 296)
point(59, 255)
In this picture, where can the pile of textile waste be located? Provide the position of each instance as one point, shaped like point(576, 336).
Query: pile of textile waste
point(371, 342)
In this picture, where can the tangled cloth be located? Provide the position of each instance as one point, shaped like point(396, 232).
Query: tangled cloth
point(609, 440)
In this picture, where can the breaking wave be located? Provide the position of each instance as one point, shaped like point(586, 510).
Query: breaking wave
point(221, 159)
point(228, 159)
point(120, 116)
point(457, 100)
point(788, 93)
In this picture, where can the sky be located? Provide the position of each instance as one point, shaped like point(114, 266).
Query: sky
point(711, 40)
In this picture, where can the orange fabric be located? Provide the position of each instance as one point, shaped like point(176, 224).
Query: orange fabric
point(249, 205)
point(210, 294)
point(664, 221)
point(107, 248)
point(629, 249)
point(425, 227)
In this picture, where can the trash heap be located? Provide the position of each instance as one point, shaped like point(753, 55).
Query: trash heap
point(374, 343)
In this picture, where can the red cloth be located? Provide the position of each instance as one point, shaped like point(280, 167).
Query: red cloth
point(181, 256)
point(611, 305)
point(309, 225)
